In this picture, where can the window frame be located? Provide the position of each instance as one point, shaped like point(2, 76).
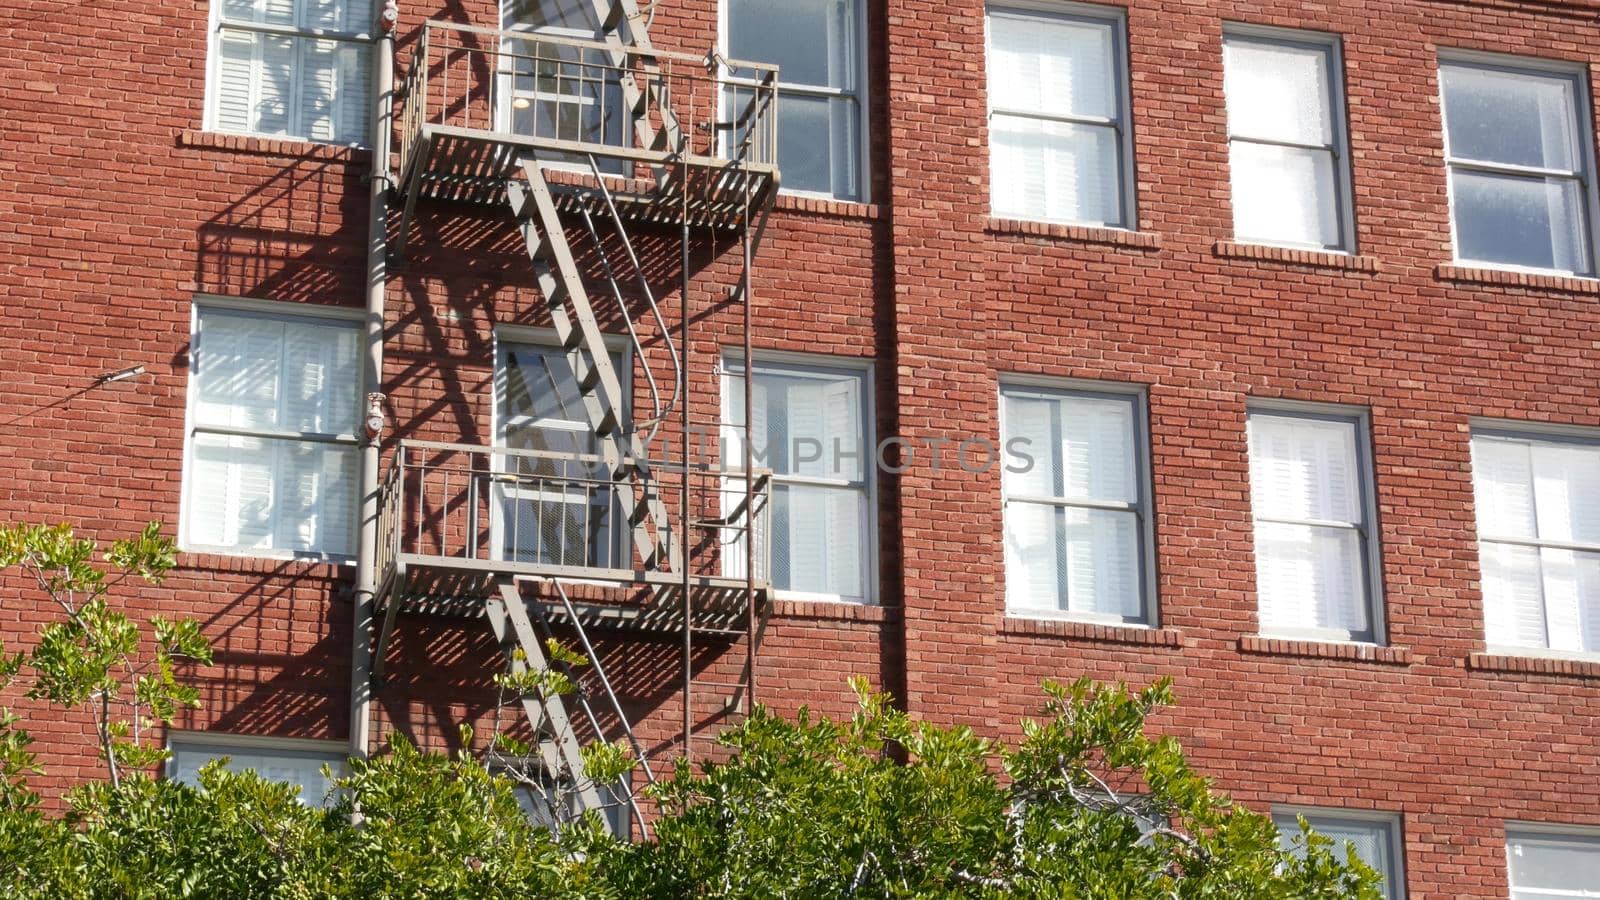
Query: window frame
point(1533, 432)
point(282, 311)
point(1137, 395)
point(1549, 832)
point(216, 24)
point(336, 753)
point(731, 365)
point(504, 337)
point(1368, 531)
point(1332, 46)
point(862, 95)
point(1583, 127)
point(1121, 81)
point(1393, 824)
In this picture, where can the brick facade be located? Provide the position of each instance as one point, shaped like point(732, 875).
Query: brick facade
point(117, 209)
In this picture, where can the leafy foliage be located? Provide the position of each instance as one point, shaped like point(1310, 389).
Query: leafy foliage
point(92, 656)
point(1087, 804)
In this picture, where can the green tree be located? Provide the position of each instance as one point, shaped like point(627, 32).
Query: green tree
point(1086, 805)
point(92, 656)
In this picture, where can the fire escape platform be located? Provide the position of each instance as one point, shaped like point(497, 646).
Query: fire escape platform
point(469, 165)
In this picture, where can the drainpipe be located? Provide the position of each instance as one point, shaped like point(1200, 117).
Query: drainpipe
point(372, 377)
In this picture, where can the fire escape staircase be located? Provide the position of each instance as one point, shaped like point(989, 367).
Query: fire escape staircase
point(435, 555)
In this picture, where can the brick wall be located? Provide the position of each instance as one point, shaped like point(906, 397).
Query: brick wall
point(116, 209)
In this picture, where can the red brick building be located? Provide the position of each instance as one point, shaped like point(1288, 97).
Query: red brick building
point(1292, 308)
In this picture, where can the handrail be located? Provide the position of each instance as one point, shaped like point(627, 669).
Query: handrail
point(570, 96)
point(462, 502)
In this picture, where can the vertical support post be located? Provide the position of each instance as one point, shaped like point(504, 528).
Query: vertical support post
point(372, 378)
point(749, 441)
point(683, 492)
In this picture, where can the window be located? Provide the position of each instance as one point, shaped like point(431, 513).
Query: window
point(811, 430)
point(1286, 139)
point(1539, 539)
point(1058, 110)
point(818, 49)
point(1375, 840)
point(549, 90)
point(292, 68)
point(1546, 864)
point(1316, 545)
point(274, 404)
point(554, 509)
point(1077, 523)
point(1517, 151)
point(291, 761)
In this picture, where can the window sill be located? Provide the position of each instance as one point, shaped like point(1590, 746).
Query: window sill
point(1082, 234)
point(1268, 646)
point(1569, 284)
point(1091, 631)
point(827, 206)
point(833, 611)
point(256, 564)
point(1535, 665)
point(1318, 259)
point(282, 148)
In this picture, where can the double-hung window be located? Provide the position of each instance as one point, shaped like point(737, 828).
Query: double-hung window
point(558, 91)
point(1375, 839)
point(1518, 151)
point(1077, 515)
point(291, 68)
point(554, 504)
point(1059, 148)
point(1538, 499)
point(1315, 535)
point(1546, 865)
point(1286, 139)
point(811, 429)
point(288, 760)
point(275, 401)
point(818, 48)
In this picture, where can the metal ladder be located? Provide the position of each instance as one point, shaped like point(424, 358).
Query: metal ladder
point(621, 451)
point(612, 14)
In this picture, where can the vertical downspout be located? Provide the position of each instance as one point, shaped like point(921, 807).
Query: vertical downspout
point(372, 377)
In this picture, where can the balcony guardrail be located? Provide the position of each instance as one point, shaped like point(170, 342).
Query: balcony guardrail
point(543, 513)
point(566, 95)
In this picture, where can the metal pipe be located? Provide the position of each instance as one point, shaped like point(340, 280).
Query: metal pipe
point(372, 378)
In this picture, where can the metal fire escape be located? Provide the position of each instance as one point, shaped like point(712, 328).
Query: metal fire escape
point(581, 141)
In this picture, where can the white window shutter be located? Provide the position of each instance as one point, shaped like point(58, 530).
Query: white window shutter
point(1304, 468)
point(276, 71)
point(1513, 595)
point(1502, 480)
point(808, 437)
point(233, 105)
point(846, 542)
point(1033, 560)
point(1029, 422)
point(237, 363)
point(319, 90)
point(1566, 487)
point(1097, 446)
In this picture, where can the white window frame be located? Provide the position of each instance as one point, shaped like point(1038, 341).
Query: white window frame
point(1332, 46)
point(732, 365)
point(1554, 833)
point(272, 309)
point(1539, 433)
point(861, 95)
point(1578, 74)
point(216, 24)
point(1391, 823)
point(1368, 530)
point(1121, 80)
point(1138, 397)
point(335, 753)
point(506, 337)
point(506, 92)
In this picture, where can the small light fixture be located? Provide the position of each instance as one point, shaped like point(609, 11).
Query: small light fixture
point(520, 103)
point(120, 375)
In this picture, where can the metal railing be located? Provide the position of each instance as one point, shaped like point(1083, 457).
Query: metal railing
point(542, 512)
point(575, 96)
